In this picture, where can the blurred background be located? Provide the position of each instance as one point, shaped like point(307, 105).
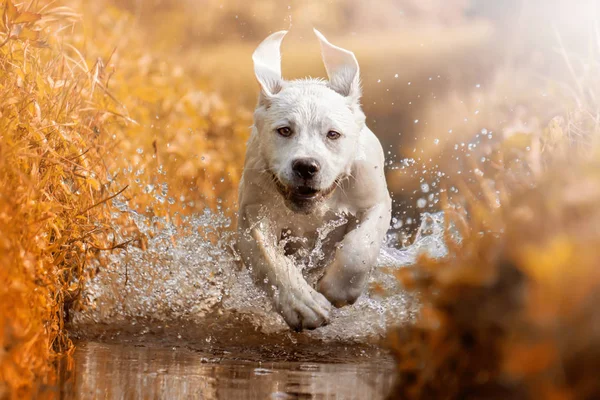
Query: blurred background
point(435, 73)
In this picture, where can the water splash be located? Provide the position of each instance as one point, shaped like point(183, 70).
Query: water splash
point(190, 272)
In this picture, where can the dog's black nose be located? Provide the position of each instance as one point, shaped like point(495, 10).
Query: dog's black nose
point(306, 168)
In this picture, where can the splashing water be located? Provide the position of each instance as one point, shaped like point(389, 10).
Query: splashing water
point(191, 273)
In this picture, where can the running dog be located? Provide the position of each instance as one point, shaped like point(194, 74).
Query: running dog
point(313, 176)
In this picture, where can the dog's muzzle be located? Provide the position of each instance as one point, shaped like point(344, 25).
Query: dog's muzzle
point(303, 198)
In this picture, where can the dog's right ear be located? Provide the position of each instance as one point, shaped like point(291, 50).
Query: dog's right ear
point(342, 69)
point(267, 66)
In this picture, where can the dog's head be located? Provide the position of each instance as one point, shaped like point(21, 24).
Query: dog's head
point(308, 130)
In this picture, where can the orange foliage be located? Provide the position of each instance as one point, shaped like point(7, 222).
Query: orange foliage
point(511, 312)
point(83, 120)
point(49, 179)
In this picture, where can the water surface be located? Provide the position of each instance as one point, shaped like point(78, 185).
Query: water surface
point(151, 370)
point(180, 319)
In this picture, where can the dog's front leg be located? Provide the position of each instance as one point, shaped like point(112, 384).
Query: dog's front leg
point(301, 306)
point(347, 275)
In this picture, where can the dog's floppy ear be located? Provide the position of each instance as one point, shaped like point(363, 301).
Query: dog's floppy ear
point(342, 68)
point(267, 65)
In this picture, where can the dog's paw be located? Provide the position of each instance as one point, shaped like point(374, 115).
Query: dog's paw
point(302, 307)
point(339, 290)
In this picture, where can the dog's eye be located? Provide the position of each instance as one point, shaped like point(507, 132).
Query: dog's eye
point(285, 131)
point(333, 135)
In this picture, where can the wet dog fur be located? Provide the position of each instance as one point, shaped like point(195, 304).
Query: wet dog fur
point(311, 161)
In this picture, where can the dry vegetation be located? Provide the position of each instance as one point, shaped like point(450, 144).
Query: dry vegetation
point(83, 94)
point(512, 311)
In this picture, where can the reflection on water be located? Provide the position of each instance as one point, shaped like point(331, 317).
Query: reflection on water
point(135, 371)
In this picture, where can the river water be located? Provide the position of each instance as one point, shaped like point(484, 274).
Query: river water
point(181, 319)
point(103, 370)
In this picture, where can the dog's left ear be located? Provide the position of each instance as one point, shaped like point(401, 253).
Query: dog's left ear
point(342, 69)
point(267, 66)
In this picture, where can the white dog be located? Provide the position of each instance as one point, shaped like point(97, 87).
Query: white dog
point(313, 177)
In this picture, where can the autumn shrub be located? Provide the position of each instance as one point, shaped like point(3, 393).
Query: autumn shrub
point(52, 191)
point(511, 311)
point(90, 110)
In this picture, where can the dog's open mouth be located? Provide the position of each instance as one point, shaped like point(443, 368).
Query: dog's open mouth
point(305, 192)
point(302, 197)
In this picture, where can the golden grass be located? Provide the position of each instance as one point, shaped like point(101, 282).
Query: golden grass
point(84, 94)
point(50, 174)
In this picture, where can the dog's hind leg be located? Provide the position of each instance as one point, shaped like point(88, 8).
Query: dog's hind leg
point(301, 306)
point(346, 277)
